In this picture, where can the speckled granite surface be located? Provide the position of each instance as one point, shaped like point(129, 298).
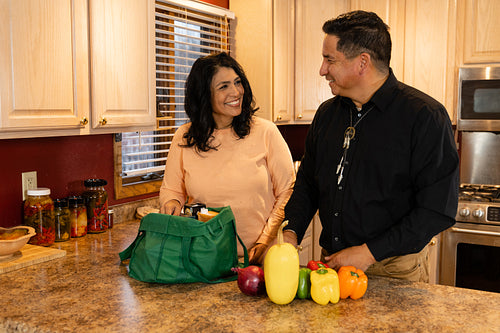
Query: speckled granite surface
point(89, 290)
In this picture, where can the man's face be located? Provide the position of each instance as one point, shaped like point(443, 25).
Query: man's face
point(342, 74)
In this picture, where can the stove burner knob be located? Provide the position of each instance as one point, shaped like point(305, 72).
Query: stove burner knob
point(478, 213)
point(464, 212)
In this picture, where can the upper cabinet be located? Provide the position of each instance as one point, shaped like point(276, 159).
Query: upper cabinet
point(429, 46)
point(76, 67)
point(479, 37)
point(298, 88)
point(122, 66)
point(420, 37)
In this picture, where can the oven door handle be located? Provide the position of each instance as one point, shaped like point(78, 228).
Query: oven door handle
point(477, 232)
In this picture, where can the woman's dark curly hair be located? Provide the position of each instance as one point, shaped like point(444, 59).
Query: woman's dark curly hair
point(198, 97)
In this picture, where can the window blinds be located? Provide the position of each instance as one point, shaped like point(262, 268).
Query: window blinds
point(185, 30)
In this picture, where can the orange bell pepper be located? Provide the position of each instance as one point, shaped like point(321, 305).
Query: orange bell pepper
point(353, 282)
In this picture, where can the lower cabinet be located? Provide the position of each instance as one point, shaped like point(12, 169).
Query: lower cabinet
point(311, 250)
point(434, 255)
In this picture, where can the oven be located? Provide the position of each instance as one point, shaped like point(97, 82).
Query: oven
point(470, 250)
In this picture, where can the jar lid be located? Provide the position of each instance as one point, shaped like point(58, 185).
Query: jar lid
point(39, 191)
point(94, 182)
point(73, 201)
point(60, 203)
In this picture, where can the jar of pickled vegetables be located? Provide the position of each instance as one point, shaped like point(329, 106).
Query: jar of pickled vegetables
point(39, 214)
point(61, 218)
point(77, 216)
point(96, 200)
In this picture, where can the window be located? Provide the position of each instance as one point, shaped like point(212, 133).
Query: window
point(185, 31)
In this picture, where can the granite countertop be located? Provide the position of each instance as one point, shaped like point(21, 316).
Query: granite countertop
point(89, 290)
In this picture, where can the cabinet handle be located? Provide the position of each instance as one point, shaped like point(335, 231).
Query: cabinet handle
point(84, 121)
point(279, 117)
point(103, 121)
point(299, 116)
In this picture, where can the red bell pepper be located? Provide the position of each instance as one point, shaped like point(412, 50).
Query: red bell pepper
point(314, 265)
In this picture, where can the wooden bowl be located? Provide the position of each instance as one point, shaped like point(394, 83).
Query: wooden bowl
point(13, 239)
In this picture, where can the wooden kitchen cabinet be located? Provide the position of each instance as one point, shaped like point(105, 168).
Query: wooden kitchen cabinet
point(422, 33)
point(430, 49)
point(311, 250)
point(479, 39)
point(76, 67)
point(252, 31)
point(298, 89)
point(434, 255)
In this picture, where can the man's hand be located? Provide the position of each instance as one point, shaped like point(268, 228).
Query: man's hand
point(357, 256)
point(171, 207)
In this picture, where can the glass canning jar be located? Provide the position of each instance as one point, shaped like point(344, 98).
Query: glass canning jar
point(61, 218)
point(39, 214)
point(77, 217)
point(96, 200)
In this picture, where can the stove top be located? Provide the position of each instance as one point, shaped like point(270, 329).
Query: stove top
point(479, 204)
point(480, 193)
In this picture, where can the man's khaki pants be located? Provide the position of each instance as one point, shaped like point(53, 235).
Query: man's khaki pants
point(412, 267)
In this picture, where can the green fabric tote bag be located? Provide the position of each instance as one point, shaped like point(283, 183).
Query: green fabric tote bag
point(175, 249)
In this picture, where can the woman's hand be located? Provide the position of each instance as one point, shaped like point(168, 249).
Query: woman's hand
point(256, 254)
point(171, 207)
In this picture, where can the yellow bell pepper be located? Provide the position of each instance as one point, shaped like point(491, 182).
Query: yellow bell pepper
point(281, 270)
point(325, 286)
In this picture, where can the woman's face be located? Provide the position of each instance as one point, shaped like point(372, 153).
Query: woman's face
point(227, 96)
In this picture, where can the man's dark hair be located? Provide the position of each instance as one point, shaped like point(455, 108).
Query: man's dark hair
point(360, 31)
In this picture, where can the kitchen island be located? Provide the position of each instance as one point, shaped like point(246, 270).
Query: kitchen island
point(88, 290)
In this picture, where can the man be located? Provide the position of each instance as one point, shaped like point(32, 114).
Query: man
point(380, 159)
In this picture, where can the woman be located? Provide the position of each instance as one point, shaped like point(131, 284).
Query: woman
point(228, 157)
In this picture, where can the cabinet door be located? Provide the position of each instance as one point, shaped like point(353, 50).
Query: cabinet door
point(480, 22)
point(311, 250)
point(44, 77)
point(122, 64)
point(427, 52)
point(434, 254)
point(284, 61)
point(393, 14)
point(311, 89)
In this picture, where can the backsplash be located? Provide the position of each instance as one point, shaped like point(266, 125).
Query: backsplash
point(126, 212)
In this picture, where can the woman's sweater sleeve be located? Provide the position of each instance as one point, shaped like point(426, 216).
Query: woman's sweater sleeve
point(280, 166)
point(173, 185)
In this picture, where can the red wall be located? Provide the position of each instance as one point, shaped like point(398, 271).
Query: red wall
point(61, 163)
point(220, 3)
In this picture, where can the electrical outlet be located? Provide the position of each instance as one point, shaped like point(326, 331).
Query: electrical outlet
point(29, 182)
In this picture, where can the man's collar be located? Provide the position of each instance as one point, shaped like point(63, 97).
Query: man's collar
point(382, 97)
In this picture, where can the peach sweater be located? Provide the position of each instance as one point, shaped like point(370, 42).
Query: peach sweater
point(253, 175)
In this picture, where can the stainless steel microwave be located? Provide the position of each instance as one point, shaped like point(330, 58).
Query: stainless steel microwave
point(479, 99)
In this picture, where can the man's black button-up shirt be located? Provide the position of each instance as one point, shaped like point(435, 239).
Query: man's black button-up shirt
point(400, 181)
